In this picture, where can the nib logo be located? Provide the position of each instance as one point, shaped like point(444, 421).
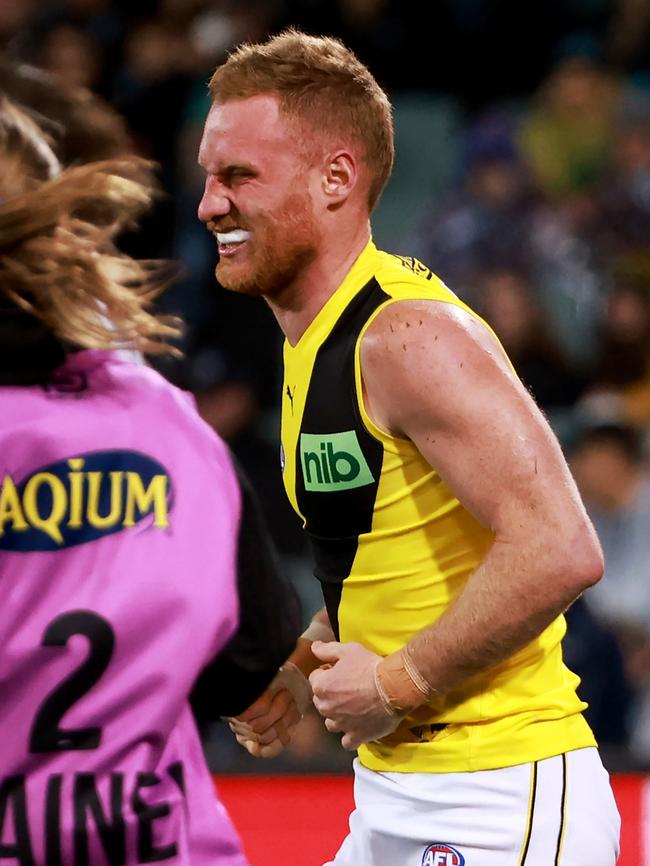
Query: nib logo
point(333, 461)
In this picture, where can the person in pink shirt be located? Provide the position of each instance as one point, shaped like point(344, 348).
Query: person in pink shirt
point(136, 586)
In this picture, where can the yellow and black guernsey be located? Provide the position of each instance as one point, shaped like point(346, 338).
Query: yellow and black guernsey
point(393, 547)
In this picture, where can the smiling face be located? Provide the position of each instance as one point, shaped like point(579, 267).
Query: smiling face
point(257, 199)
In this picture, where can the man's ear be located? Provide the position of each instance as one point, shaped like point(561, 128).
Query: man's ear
point(340, 176)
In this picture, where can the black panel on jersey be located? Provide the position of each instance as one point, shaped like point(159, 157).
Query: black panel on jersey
point(269, 622)
point(335, 519)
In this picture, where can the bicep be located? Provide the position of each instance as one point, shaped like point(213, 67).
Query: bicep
point(455, 395)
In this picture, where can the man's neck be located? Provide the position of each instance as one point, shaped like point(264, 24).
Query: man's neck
point(297, 307)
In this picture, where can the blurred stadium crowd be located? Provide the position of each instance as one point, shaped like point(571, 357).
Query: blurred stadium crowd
point(522, 178)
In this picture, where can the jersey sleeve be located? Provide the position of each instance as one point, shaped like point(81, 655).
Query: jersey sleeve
point(269, 622)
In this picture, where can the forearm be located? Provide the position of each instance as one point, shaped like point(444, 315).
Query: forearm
point(505, 604)
point(518, 589)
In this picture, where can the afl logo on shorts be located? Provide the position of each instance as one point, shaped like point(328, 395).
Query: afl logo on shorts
point(440, 854)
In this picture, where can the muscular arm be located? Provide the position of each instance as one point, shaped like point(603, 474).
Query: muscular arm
point(435, 375)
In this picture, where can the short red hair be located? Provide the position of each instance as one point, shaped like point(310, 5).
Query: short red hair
point(321, 82)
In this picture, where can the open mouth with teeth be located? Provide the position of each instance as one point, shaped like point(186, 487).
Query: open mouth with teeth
point(232, 241)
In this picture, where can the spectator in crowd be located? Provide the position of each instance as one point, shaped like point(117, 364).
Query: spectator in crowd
point(627, 44)
point(621, 371)
point(566, 134)
point(15, 20)
point(489, 220)
point(81, 126)
point(623, 197)
point(102, 21)
point(591, 649)
point(73, 55)
point(607, 462)
point(150, 92)
point(499, 220)
point(510, 305)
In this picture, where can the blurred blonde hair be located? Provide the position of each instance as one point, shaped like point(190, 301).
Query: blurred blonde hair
point(58, 261)
point(319, 82)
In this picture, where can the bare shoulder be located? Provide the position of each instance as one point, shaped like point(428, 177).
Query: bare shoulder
point(416, 350)
point(436, 375)
point(426, 327)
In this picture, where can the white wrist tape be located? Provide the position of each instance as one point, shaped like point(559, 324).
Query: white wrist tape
point(318, 631)
point(291, 678)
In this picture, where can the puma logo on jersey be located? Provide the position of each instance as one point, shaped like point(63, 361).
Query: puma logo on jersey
point(290, 394)
point(81, 499)
point(333, 461)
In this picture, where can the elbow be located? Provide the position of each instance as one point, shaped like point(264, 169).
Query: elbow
point(591, 570)
point(574, 561)
point(587, 564)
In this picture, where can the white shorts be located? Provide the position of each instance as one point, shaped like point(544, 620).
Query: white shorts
point(556, 812)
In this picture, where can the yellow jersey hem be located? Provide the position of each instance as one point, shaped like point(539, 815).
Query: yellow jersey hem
point(466, 748)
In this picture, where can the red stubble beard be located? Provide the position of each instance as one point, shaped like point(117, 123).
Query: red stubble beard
point(279, 248)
